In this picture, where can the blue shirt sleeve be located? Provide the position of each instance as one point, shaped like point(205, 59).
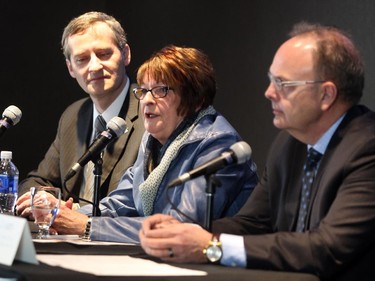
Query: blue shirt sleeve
point(234, 253)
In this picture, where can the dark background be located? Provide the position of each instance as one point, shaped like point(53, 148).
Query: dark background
point(240, 36)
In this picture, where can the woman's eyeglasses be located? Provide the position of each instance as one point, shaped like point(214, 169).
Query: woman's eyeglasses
point(157, 92)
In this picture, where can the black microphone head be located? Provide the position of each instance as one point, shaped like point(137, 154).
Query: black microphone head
point(13, 113)
point(117, 125)
point(242, 151)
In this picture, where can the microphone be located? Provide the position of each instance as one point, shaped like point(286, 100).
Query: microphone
point(11, 116)
point(115, 127)
point(238, 153)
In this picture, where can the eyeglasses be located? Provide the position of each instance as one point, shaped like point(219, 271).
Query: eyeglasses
point(280, 84)
point(157, 92)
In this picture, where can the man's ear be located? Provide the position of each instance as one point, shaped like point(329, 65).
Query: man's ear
point(127, 54)
point(329, 95)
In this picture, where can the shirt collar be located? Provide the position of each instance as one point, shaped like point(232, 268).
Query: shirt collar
point(115, 107)
point(322, 143)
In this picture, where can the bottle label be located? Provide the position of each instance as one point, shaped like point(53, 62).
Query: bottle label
point(8, 184)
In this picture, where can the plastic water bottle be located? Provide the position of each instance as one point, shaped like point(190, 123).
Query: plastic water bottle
point(8, 183)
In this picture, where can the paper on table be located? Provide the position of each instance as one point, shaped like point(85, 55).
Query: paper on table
point(104, 265)
point(75, 239)
point(57, 238)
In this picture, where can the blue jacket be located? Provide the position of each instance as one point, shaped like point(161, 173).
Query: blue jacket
point(122, 211)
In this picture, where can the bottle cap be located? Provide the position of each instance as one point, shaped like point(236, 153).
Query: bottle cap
point(6, 155)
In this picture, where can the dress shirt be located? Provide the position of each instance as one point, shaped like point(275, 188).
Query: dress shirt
point(113, 110)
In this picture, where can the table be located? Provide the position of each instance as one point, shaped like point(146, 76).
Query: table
point(28, 272)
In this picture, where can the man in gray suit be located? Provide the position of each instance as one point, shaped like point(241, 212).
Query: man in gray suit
point(293, 222)
point(96, 52)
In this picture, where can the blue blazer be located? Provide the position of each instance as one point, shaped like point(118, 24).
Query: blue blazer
point(122, 210)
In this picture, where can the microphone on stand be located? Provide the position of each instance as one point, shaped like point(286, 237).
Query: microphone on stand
point(11, 116)
point(238, 153)
point(115, 127)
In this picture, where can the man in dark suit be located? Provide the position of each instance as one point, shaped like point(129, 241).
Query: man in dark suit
point(96, 52)
point(327, 228)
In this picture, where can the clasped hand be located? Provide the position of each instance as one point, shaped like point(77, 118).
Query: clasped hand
point(23, 205)
point(167, 238)
point(66, 222)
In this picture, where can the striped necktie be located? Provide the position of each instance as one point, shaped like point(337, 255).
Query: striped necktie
point(100, 126)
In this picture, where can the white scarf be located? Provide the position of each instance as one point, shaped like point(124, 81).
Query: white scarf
point(149, 188)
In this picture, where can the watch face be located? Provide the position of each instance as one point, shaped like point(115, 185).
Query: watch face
point(214, 253)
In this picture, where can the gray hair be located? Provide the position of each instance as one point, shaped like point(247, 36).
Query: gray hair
point(85, 21)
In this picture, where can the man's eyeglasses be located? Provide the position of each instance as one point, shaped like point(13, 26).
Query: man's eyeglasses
point(157, 92)
point(281, 85)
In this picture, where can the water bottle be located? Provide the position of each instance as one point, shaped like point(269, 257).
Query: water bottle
point(8, 183)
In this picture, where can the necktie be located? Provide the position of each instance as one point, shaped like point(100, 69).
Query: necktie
point(309, 172)
point(100, 126)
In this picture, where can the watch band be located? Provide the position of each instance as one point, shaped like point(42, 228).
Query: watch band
point(86, 235)
point(215, 240)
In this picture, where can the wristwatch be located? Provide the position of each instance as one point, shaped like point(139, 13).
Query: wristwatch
point(213, 251)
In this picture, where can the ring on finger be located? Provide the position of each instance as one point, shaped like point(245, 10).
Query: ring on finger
point(171, 254)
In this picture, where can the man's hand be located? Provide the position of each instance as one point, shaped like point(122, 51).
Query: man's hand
point(164, 237)
point(69, 221)
point(23, 205)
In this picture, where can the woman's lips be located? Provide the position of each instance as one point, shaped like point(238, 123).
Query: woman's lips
point(150, 115)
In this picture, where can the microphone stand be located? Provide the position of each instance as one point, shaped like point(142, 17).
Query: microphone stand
point(212, 183)
point(98, 170)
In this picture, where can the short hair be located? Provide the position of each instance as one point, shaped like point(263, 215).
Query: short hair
point(337, 59)
point(188, 70)
point(85, 21)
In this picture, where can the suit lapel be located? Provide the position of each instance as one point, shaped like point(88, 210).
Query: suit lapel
point(332, 147)
point(116, 149)
point(84, 127)
point(299, 152)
